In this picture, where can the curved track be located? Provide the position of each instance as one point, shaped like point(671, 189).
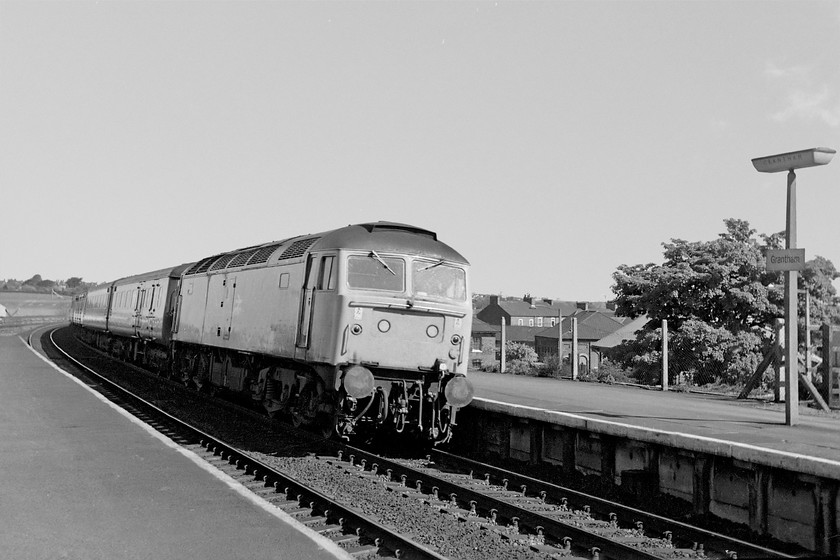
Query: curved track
point(355, 532)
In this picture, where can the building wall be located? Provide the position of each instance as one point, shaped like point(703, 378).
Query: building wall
point(548, 347)
point(484, 351)
point(547, 321)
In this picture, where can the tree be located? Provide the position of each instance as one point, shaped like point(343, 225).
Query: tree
point(720, 302)
point(33, 281)
point(73, 282)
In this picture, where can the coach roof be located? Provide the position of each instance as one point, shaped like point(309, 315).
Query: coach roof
point(388, 237)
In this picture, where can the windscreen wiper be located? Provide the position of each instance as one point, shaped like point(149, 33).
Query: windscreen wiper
point(440, 262)
point(373, 255)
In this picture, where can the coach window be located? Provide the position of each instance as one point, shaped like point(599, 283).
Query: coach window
point(326, 279)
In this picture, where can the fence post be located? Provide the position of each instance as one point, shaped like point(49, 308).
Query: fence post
point(664, 354)
point(502, 365)
point(573, 355)
point(781, 369)
point(559, 342)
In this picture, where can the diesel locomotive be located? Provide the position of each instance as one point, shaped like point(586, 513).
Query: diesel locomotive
point(355, 331)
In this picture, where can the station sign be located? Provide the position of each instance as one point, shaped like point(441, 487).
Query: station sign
point(785, 259)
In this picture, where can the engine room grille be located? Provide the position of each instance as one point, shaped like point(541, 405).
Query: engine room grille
point(263, 254)
point(201, 266)
point(298, 248)
point(222, 262)
point(241, 258)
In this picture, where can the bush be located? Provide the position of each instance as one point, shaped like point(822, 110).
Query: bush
point(551, 367)
point(608, 372)
point(517, 351)
point(520, 367)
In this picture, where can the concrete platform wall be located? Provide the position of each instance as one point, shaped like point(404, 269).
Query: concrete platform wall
point(787, 504)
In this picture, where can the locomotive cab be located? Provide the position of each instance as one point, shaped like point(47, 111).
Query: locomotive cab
point(394, 321)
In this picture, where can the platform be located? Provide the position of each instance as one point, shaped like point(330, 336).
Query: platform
point(82, 479)
point(747, 430)
point(719, 457)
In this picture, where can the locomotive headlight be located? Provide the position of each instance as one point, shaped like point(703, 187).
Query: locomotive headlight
point(456, 339)
point(356, 329)
point(358, 381)
point(432, 331)
point(459, 391)
point(384, 326)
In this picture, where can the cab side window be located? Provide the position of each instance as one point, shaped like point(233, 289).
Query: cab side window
point(326, 277)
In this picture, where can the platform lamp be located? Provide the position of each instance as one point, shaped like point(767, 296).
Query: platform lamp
point(773, 164)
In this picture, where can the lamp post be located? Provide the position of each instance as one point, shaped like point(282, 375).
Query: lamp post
point(791, 263)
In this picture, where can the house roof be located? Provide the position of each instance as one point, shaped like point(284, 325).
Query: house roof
point(626, 332)
point(479, 326)
point(592, 325)
point(519, 308)
point(516, 333)
point(513, 333)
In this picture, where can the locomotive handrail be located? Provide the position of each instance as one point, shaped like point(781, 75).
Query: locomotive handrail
point(406, 306)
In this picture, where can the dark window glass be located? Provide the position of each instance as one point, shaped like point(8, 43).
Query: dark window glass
point(376, 273)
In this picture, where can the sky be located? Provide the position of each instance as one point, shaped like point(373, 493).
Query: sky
point(547, 142)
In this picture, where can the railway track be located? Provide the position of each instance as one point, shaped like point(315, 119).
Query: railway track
point(528, 517)
point(558, 520)
point(359, 535)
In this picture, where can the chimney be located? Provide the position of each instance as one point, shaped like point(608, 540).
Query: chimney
point(527, 298)
point(494, 300)
point(583, 305)
point(548, 301)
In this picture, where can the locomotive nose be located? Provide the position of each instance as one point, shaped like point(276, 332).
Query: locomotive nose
point(459, 391)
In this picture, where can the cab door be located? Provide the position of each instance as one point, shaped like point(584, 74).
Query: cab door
point(306, 303)
point(230, 296)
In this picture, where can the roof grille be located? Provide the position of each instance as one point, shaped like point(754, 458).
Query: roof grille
point(298, 248)
point(263, 254)
point(222, 262)
point(242, 258)
point(201, 266)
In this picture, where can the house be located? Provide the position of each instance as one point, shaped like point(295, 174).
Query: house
point(592, 326)
point(528, 312)
point(486, 343)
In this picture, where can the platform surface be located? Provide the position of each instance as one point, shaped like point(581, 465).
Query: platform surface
point(82, 480)
point(751, 425)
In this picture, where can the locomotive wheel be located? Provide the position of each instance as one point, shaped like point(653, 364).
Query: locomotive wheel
point(325, 425)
